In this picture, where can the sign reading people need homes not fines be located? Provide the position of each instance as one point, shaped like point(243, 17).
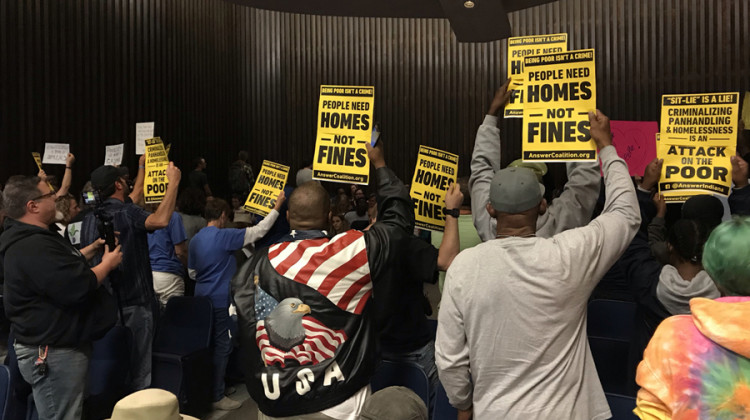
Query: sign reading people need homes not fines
point(698, 137)
point(155, 181)
point(269, 184)
point(344, 128)
point(559, 92)
point(436, 170)
point(518, 48)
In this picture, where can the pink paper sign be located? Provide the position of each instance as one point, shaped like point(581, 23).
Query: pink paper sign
point(634, 141)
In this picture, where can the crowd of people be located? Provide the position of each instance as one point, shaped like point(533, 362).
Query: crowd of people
point(330, 282)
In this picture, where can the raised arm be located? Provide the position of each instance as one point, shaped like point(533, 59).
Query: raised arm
point(574, 207)
point(604, 240)
point(450, 245)
point(137, 194)
point(485, 161)
point(160, 218)
point(253, 233)
point(68, 177)
point(739, 200)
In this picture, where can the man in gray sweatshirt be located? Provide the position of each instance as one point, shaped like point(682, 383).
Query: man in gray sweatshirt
point(511, 340)
point(572, 209)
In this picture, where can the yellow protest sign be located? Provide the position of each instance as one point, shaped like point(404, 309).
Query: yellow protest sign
point(559, 91)
point(518, 48)
point(687, 167)
point(436, 170)
point(167, 148)
point(344, 127)
point(269, 184)
point(38, 159)
point(155, 181)
point(698, 136)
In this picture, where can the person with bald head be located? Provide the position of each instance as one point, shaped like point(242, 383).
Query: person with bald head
point(511, 338)
point(305, 305)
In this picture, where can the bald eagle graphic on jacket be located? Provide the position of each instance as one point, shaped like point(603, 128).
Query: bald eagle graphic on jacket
point(284, 324)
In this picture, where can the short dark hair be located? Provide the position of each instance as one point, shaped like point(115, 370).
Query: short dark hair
point(19, 190)
point(192, 201)
point(687, 238)
point(242, 155)
point(197, 161)
point(463, 184)
point(214, 209)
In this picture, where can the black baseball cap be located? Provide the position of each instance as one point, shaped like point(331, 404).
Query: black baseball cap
point(106, 175)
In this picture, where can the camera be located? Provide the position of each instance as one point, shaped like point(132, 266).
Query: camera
point(103, 220)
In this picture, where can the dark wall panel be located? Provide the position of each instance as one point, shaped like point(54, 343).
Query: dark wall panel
point(217, 77)
point(433, 90)
point(85, 71)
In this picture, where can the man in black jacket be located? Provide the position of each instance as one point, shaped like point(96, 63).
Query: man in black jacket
point(307, 329)
point(50, 297)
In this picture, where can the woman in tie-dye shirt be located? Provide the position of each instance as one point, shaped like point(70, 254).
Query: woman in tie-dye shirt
point(697, 366)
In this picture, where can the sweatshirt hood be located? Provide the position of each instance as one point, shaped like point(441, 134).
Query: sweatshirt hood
point(15, 231)
point(675, 293)
point(724, 321)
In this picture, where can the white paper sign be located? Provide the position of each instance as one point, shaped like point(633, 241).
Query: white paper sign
point(113, 154)
point(56, 153)
point(143, 131)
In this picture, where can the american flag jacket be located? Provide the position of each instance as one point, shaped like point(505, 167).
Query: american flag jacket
point(305, 361)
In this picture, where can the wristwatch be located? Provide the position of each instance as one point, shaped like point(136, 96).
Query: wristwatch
point(452, 212)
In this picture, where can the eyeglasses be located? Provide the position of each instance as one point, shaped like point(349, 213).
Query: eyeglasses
point(43, 196)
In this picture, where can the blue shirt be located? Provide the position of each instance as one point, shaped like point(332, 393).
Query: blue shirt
point(211, 255)
point(134, 285)
point(161, 246)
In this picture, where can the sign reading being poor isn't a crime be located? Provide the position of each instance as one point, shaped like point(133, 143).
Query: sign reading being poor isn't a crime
point(344, 128)
point(518, 48)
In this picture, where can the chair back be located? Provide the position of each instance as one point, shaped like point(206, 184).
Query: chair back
point(611, 326)
point(621, 406)
point(400, 373)
point(185, 325)
point(4, 391)
point(443, 409)
point(109, 367)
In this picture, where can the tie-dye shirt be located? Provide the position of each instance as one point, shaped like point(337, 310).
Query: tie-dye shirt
point(696, 366)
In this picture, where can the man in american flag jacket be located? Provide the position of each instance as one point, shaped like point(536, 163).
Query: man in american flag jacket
point(304, 305)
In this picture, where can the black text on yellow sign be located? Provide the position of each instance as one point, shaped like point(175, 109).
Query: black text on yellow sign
point(702, 117)
point(344, 127)
point(269, 184)
point(694, 168)
point(559, 92)
point(518, 48)
point(155, 181)
point(435, 172)
point(38, 159)
point(698, 136)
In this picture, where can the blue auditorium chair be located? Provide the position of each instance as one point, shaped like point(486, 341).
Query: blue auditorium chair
point(621, 406)
point(31, 413)
point(443, 409)
point(19, 389)
point(109, 372)
point(4, 391)
point(610, 329)
point(182, 361)
point(407, 374)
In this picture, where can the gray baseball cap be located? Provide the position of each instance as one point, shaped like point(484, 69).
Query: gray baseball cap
point(515, 190)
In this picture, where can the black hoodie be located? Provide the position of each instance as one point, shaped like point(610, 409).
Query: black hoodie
point(49, 288)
